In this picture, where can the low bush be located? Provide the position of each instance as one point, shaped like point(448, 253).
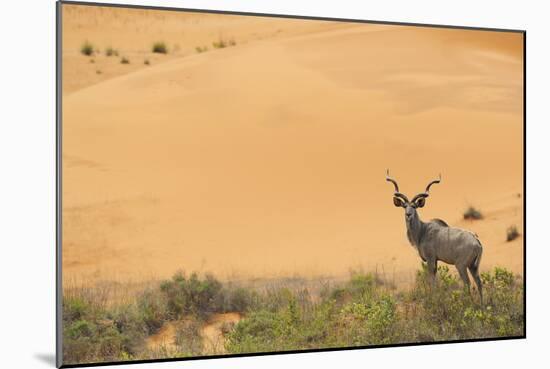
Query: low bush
point(191, 295)
point(512, 233)
point(87, 48)
point(223, 43)
point(472, 214)
point(160, 47)
point(109, 51)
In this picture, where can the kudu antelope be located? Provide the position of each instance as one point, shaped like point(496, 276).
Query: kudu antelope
point(435, 240)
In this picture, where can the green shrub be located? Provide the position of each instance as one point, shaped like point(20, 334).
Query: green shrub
point(235, 299)
point(191, 295)
point(257, 333)
point(94, 332)
point(359, 286)
point(472, 214)
point(87, 48)
point(369, 322)
point(111, 52)
point(512, 233)
point(160, 47)
point(220, 44)
point(75, 308)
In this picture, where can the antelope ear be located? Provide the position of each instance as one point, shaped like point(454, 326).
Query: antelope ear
point(420, 202)
point(398, 202)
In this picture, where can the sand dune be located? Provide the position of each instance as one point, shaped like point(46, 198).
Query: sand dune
point(268, 158)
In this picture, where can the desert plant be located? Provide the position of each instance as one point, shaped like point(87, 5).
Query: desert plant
point(201, 49)
point(512, 233)
point(146, 62)
point(153, 310)
point(87, 48)
point(220, 44)
point(160, 47)
point(235, 299)
point(109, 51)
point(191, 295)
point(124, 60)
point(472, 214)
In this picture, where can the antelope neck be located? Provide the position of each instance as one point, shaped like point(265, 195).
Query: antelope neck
point(415, 230)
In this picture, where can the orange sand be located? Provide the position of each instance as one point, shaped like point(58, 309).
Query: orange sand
point(268, 158)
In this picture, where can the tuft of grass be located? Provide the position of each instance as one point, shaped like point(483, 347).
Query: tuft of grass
point(223, 43)
point(153, 310)
point(87, 48)
point(472, 214)
point(512, 233)
point(220, 44)
point(98, 71)
point(201, 49)
point(160, 47)
point(146, 62)
point(109, 51)
point(124, 60)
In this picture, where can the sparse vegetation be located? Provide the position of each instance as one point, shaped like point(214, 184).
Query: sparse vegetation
point(109, 51)
point(201, 49)
point(512, 233)
point(365, 310)
point(222, 43)
point(124, 60)
point(146, 62)
point(87, 48)
point(98, 71)
point(473, 214)
point(160, 47)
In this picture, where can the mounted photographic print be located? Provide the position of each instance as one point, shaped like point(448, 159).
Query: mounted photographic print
point(235, 184)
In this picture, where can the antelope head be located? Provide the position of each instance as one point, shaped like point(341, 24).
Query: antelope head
point(418, 201)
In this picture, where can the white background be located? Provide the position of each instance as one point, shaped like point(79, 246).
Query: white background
point(27, 182)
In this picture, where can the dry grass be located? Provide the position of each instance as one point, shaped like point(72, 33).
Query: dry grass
point(102, 323)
